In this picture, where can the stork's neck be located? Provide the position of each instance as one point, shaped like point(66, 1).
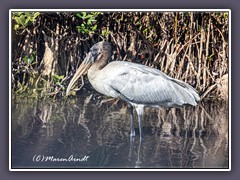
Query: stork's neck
point(97, 66)
point(101, 62)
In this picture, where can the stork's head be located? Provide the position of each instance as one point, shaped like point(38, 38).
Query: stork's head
point(96, 51)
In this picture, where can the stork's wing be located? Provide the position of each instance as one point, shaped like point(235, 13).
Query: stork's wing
point(144, 85)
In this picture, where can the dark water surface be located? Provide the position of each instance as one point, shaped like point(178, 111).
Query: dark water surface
point(85, 132)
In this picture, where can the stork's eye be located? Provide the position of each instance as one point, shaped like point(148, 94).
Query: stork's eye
point(95, 53)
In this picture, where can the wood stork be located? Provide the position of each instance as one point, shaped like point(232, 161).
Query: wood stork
point(136, 84)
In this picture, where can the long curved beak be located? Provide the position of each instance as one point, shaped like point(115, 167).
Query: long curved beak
point(80, 71)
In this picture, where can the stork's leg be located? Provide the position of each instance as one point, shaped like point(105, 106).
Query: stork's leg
point(140, 111)
point(130, 109)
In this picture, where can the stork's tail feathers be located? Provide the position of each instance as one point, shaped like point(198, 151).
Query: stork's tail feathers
point(188, 95)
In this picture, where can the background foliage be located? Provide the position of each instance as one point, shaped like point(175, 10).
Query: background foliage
point(47, 47)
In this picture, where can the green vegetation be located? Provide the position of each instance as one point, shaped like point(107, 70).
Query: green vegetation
point(29, 60)
point(23, 19)
point(88, 26)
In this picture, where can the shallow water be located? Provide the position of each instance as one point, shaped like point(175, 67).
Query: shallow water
point(90, 132)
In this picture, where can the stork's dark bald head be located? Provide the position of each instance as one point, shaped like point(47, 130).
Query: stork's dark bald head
point(101, 46)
